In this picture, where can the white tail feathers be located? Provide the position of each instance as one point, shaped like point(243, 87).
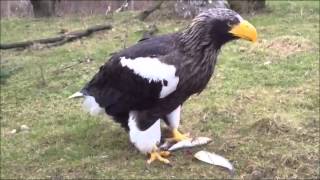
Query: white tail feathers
point(75, 95)
point(90, 105)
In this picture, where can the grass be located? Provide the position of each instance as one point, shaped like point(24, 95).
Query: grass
point(261, 107)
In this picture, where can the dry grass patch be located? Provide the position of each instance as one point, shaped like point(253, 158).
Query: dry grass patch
point(287, 45)
point(281, 46)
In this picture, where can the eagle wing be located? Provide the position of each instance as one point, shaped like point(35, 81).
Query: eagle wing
point(135, 78)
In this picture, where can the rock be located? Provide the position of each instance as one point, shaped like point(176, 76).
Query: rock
point(256, 175)
point(267, 63)
point(242, 49)
point(13, 131)
point(24, 128)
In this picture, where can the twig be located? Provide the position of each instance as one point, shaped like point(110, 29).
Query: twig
point(42, 78)
point(70, 66)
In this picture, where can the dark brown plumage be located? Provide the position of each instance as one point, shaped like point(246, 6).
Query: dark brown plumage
point(193, 52)
point(152, 78)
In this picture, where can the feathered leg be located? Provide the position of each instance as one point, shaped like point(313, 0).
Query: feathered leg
point(173, 120)
point(146, 141)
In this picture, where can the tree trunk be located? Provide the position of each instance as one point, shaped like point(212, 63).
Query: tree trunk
point(247, 6)
point(260, 4)
point(191, 8)
point(43, 8)
point(142, 16)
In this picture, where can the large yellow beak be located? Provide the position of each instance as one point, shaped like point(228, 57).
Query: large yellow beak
point(245, 30)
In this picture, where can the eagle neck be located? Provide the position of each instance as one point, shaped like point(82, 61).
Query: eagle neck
point(205, 57)
point(210, 54)
point(193, 40)
point(197, 40)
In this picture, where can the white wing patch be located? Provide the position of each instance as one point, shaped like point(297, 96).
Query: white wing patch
point(154, 70)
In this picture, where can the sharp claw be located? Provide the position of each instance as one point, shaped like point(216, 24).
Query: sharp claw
point(165, 153)
point(166, 161)
point(150, 161)
point(158, 155)
point(177, 136)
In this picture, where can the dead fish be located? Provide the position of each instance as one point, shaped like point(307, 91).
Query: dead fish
point(166, 145)
point(192, 142)
point(214, 159)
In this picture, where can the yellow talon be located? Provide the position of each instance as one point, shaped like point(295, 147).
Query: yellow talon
point(158, 155)
point(177, 136)
point(164, 153)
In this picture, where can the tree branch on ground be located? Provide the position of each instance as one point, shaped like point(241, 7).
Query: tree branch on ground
point(58, 40)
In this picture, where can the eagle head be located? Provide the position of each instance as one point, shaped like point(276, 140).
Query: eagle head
point(218, 26)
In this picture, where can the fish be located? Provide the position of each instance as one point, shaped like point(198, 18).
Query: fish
point(214, 159)
point(187, 143)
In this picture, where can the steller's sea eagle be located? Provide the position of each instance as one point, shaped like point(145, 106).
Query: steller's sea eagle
point(150, 80)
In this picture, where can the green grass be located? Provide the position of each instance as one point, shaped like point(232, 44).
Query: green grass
point(261, 107)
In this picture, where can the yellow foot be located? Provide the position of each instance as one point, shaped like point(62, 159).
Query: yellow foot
point(159, 155)
point(177, 136)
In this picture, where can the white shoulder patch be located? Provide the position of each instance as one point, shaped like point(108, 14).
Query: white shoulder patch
point(154, 70)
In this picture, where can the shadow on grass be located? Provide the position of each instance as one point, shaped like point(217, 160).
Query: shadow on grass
point(7, 73)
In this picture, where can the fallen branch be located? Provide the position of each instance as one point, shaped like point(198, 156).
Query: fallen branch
point(58, 40)
point(144, 14)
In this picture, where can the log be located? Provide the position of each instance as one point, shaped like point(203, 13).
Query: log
point(144, 14)
point(58, 40)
